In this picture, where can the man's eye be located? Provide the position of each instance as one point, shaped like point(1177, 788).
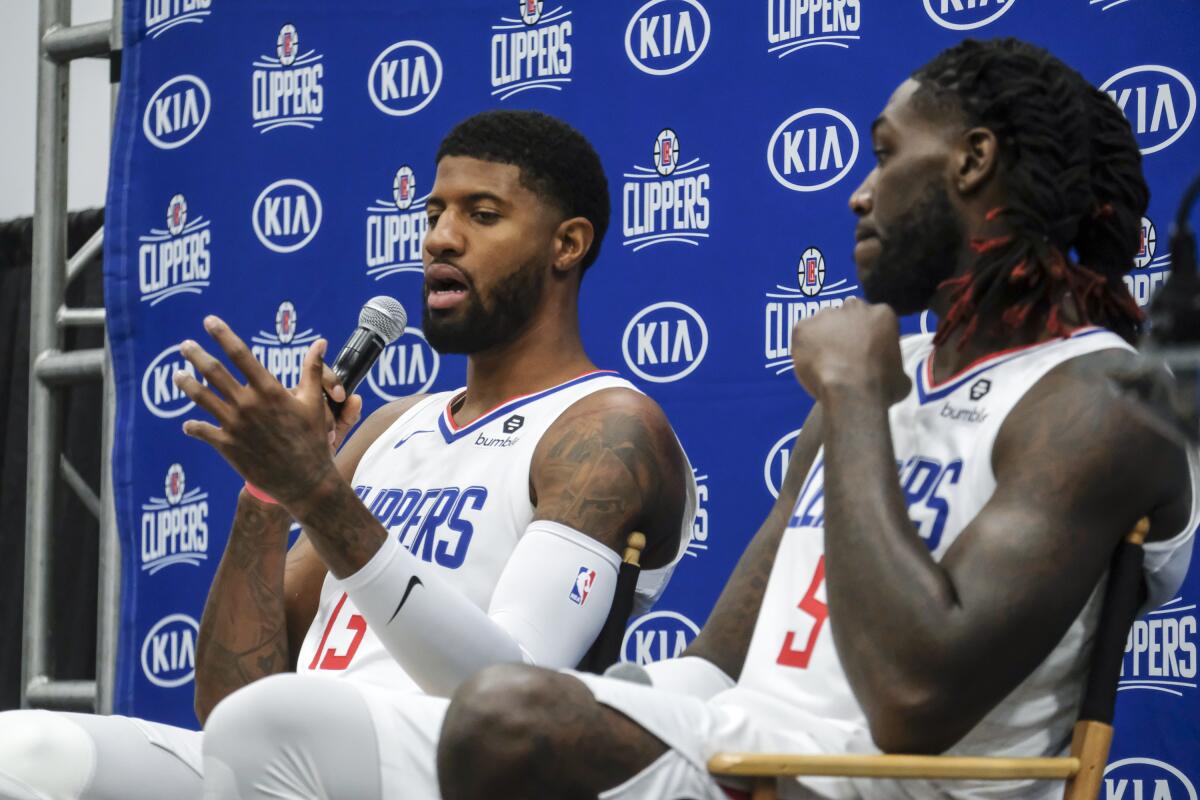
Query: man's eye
point(433, 218)
point(486, 217)
point(881, 155)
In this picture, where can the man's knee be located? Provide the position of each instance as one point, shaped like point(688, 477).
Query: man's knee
point(43, 755)
point(269, 710)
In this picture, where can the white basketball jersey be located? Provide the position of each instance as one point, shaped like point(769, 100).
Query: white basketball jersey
point(457, 498)
point(943, 436)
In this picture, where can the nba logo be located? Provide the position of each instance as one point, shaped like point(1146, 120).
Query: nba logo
point(583, 585)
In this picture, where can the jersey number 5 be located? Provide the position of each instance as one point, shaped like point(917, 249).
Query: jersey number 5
point(789, 654)
point(331, 659)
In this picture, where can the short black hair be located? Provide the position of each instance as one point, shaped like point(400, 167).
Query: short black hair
point(556, 161)
point(1074, 179)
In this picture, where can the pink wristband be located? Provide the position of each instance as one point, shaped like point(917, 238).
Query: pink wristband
point(259, 494)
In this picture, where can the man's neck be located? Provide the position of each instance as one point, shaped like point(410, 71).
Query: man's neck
point(545, 354)
point(990, 335)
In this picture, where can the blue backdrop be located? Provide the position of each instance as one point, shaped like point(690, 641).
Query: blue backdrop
point(270, 164)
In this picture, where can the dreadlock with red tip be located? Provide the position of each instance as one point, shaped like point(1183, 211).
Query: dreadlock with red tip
point(1076, 191)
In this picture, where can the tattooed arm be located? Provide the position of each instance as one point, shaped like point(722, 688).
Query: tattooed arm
point(263, 599)
point(611, 465)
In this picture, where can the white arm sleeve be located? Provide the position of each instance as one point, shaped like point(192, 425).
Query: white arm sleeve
point(549, 604)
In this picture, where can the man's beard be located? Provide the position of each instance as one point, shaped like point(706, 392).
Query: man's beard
point(919, 252)
point(509, 310)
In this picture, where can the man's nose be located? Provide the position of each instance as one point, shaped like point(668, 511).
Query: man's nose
point(862, 199)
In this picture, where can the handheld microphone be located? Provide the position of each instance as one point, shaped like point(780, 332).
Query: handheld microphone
point(380, 322)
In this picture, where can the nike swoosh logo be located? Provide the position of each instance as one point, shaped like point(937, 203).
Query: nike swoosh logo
point(412, 582)
point(406, 438)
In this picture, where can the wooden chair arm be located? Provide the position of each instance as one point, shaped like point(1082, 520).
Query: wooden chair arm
point(893, 766)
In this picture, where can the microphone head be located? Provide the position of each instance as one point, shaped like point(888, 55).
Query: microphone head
point(384, 317)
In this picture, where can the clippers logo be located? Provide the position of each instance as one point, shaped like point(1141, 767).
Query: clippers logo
point(1160, 103)
point(282, 353)
point(965, 15)
point(396, 229)
point(1151, 269)
point(175, 526)
point(665, 342)
point(668, 203)
point(812, 150)
point(176, 259)
point(657, 636)
point(1160, 652)
point(514, 423)
point(794, 25)
point(406, 367)
point(667, 36)
point(169, 651)
point(532, 51)
point(162, 15)
point(583, 585)
point(779, 457)
point(159, 392)
point(787, 305)
point(287, 89)
point(980, 388)
point(1146, 779)
point(176, 112)
point(287, 215)
point(699, 538)
point(405, 78)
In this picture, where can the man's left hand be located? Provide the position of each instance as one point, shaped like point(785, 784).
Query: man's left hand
point(856, 345)
point(276, 439)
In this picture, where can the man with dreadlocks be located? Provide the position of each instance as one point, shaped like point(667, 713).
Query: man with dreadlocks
point(949, 604)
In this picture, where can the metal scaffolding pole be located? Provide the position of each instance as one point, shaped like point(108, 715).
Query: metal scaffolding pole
point(52, 368)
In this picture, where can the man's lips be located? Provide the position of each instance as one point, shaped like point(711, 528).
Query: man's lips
point(445, 286)
point(861, 234)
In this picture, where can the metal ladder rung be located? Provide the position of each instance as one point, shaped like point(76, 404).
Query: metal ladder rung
point(85, 255)
point(56, 368)
point(66, 43)
point(80, 317)
point(69, 695)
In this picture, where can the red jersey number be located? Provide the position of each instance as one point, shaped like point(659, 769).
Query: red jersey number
point(330, 658)
point(789, 654)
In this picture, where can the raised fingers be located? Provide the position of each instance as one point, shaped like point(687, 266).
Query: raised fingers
point(256, 375)
point(202, 396)
point(213, 371)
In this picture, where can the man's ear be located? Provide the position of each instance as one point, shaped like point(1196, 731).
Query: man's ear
point(572, 241)
point(978, 159)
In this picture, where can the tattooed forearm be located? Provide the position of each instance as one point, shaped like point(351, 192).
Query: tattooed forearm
point(344, 533)
point(243, 633)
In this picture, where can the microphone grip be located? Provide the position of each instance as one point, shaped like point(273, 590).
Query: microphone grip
point(353, 362)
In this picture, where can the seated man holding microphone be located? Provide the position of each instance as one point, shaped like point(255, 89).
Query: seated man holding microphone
point(425, 555)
